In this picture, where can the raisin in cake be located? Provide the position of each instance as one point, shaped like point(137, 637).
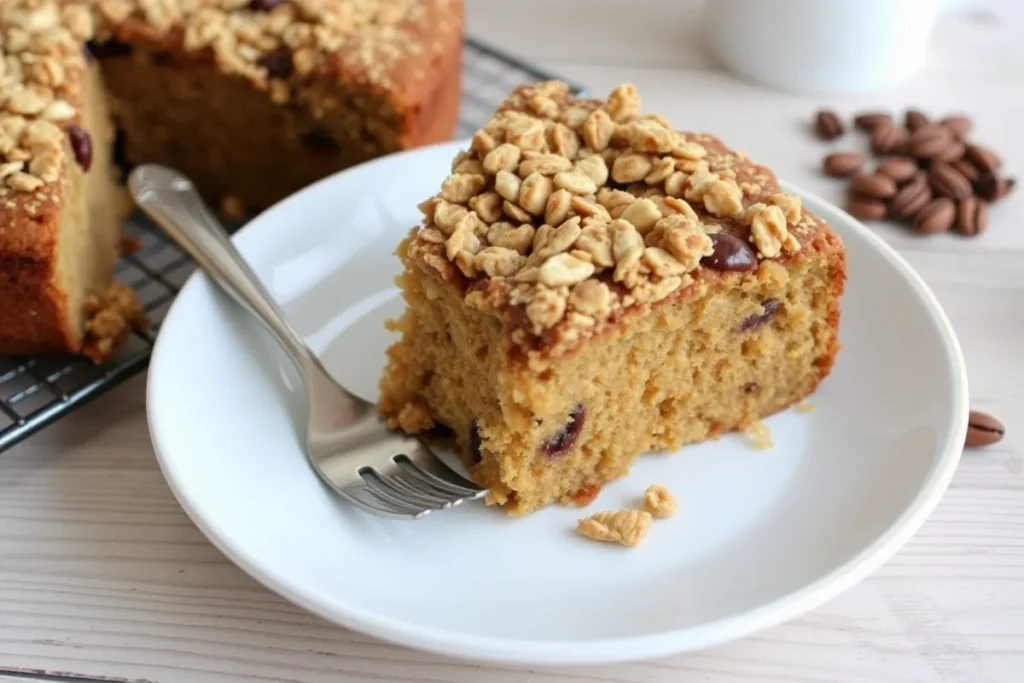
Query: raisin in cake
point(251, 98)
point(590, 284)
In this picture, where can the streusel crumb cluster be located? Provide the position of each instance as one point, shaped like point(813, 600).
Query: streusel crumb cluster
point(40, 56)
point(574, 210)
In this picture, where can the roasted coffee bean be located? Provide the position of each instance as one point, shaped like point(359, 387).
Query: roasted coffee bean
point(730, 253)
point(886, 139)
point(949, 182)
point(866, 208)
point(900, 169)
point(828, 125)
point(915, 119)
point(969, 170)
point(842, 164)
point(928, 142)
point(867, 121)
point(971, 216)
point(911, 198)
point(937, 217)
point(983, 430)
point(278, 63)
point(993, 188)
point(874, 185)
point(954, 152)
point(985, 159)
point(958, 125)
point(81, 145)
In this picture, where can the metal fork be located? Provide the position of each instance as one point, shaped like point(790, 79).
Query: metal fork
point(347, 443)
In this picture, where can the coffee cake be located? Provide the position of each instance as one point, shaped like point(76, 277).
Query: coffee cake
point(590, 284)
point(253, 99)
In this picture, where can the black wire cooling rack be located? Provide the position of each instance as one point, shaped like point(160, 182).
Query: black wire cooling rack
point(36, 391)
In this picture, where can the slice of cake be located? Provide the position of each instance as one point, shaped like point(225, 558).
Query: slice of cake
point(590, 284)
point(61, 208)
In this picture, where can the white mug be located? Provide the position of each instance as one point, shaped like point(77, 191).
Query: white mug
point(822, 46)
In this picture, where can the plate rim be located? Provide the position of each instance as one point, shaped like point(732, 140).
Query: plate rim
point(524, 652)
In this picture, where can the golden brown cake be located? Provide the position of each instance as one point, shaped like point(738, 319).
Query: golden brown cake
point(255, 99)
point(590, 284)
point(251, 98)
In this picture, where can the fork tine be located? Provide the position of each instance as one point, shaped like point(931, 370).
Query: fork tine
point(408, 480)
point(415, 490)
point(362, 497)
point(425, 460)
point(413, 469)
point(384, 488)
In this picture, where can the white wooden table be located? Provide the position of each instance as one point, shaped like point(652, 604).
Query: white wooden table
point(103, 577)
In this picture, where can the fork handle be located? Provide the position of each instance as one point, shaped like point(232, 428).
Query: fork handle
point(171, 200)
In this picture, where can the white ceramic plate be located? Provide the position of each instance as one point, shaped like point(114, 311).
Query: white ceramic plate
point(761, 537)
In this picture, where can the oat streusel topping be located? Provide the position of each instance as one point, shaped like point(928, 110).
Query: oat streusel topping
point(575, 210)
point(626, 527)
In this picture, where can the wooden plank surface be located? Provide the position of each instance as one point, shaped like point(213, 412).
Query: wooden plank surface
point(102, 576)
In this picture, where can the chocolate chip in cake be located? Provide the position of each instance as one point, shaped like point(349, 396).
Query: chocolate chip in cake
point(752, 322)
point(475, 444)
point(842, 164)
point(565, 439)
point(278, 62)
point(828, 125)
point(730, 254)
point(81, 144)
point(263, 5)
point(441, 431)
point(983, 430)
point(971, 216)
point(869, 120)
point(319, 140)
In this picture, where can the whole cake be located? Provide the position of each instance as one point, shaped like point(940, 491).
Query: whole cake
point(253, 99)
point(590, 284)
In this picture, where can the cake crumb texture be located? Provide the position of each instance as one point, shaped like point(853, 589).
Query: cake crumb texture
point(626, 527)
point(760, 436)
point(659, 501)
point(589, 284)
point(111, 316)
